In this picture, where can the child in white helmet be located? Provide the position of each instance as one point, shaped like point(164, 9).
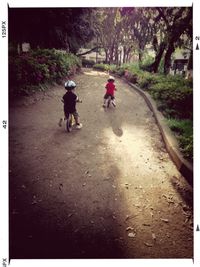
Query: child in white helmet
point(70, 99)
point(110, 89)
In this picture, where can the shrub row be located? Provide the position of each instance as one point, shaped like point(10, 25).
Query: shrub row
point(174, 94)
point(39, 67)
point(184, 134)
point(105, 67)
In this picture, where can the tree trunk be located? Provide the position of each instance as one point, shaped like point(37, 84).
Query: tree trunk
point(124, 55)
point(140, 56)
point(111, 57)
point(106, 52)
point(167, 62)
point(120, 57)
point(190, 61)
point(116, 56)
point(154, 66)
point(128, 55)
point(140, 53)
point(190, 66)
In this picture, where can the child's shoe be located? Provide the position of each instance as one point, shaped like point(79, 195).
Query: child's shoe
point(104, 105)
point(79, 126)
point(60, 122)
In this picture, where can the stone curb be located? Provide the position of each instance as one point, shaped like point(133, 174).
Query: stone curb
point(185, 167)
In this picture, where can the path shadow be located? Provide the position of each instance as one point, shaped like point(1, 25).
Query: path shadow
point(57, 224)
point(114, 121)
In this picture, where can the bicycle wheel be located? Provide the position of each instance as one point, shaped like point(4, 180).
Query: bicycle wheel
point(69, 123)
point(108, 101)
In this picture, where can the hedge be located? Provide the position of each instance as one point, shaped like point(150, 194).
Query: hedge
point(38, 67)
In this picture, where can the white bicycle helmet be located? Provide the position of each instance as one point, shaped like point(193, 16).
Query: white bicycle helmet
point(70, 85)
point(111, 78)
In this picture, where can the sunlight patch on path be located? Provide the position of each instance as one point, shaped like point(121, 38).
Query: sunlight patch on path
point(143, 178)
point(139, 163)
point(132, 161)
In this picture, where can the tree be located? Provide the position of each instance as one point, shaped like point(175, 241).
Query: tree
point(114, 30)
point(107, 30)
point(60, 28)
point(174, 23)
point(138, 21)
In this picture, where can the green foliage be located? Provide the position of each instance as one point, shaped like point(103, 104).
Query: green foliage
point(134, 67)
point(105, 67)
point(181, 126)
point(174, 94)
point(120, 71)
point(146, 80)
point(101, 67)
point(148, 60)
point(38, 67)
point(184, 131)
point(161, 66)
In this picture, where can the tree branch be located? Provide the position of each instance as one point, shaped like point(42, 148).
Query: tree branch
point(87, 52)
point(160, 10)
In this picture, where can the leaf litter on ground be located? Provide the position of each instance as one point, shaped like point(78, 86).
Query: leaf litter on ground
point(131, 235)
point(164, 220)
point(129, 228)
point(148, 244)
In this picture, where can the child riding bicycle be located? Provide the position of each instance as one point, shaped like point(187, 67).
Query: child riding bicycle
point(110, 88)
point(70, 99)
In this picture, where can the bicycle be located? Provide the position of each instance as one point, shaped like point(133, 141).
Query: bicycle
point(110, 101)
point(70, 120)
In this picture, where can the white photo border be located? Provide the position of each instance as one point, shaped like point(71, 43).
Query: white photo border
point(4, 231)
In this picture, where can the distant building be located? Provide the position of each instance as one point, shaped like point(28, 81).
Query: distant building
point(180, 62)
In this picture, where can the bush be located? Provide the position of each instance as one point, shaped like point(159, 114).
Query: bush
point(148, 60)
point(119, 72)
point(174, 96)
point(146, 80)
point(101, 67)
point(105, 67)
point(40, 66)
point(184, 132)
point(172, 93)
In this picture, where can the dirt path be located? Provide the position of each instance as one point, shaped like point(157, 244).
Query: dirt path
point(108, 190)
